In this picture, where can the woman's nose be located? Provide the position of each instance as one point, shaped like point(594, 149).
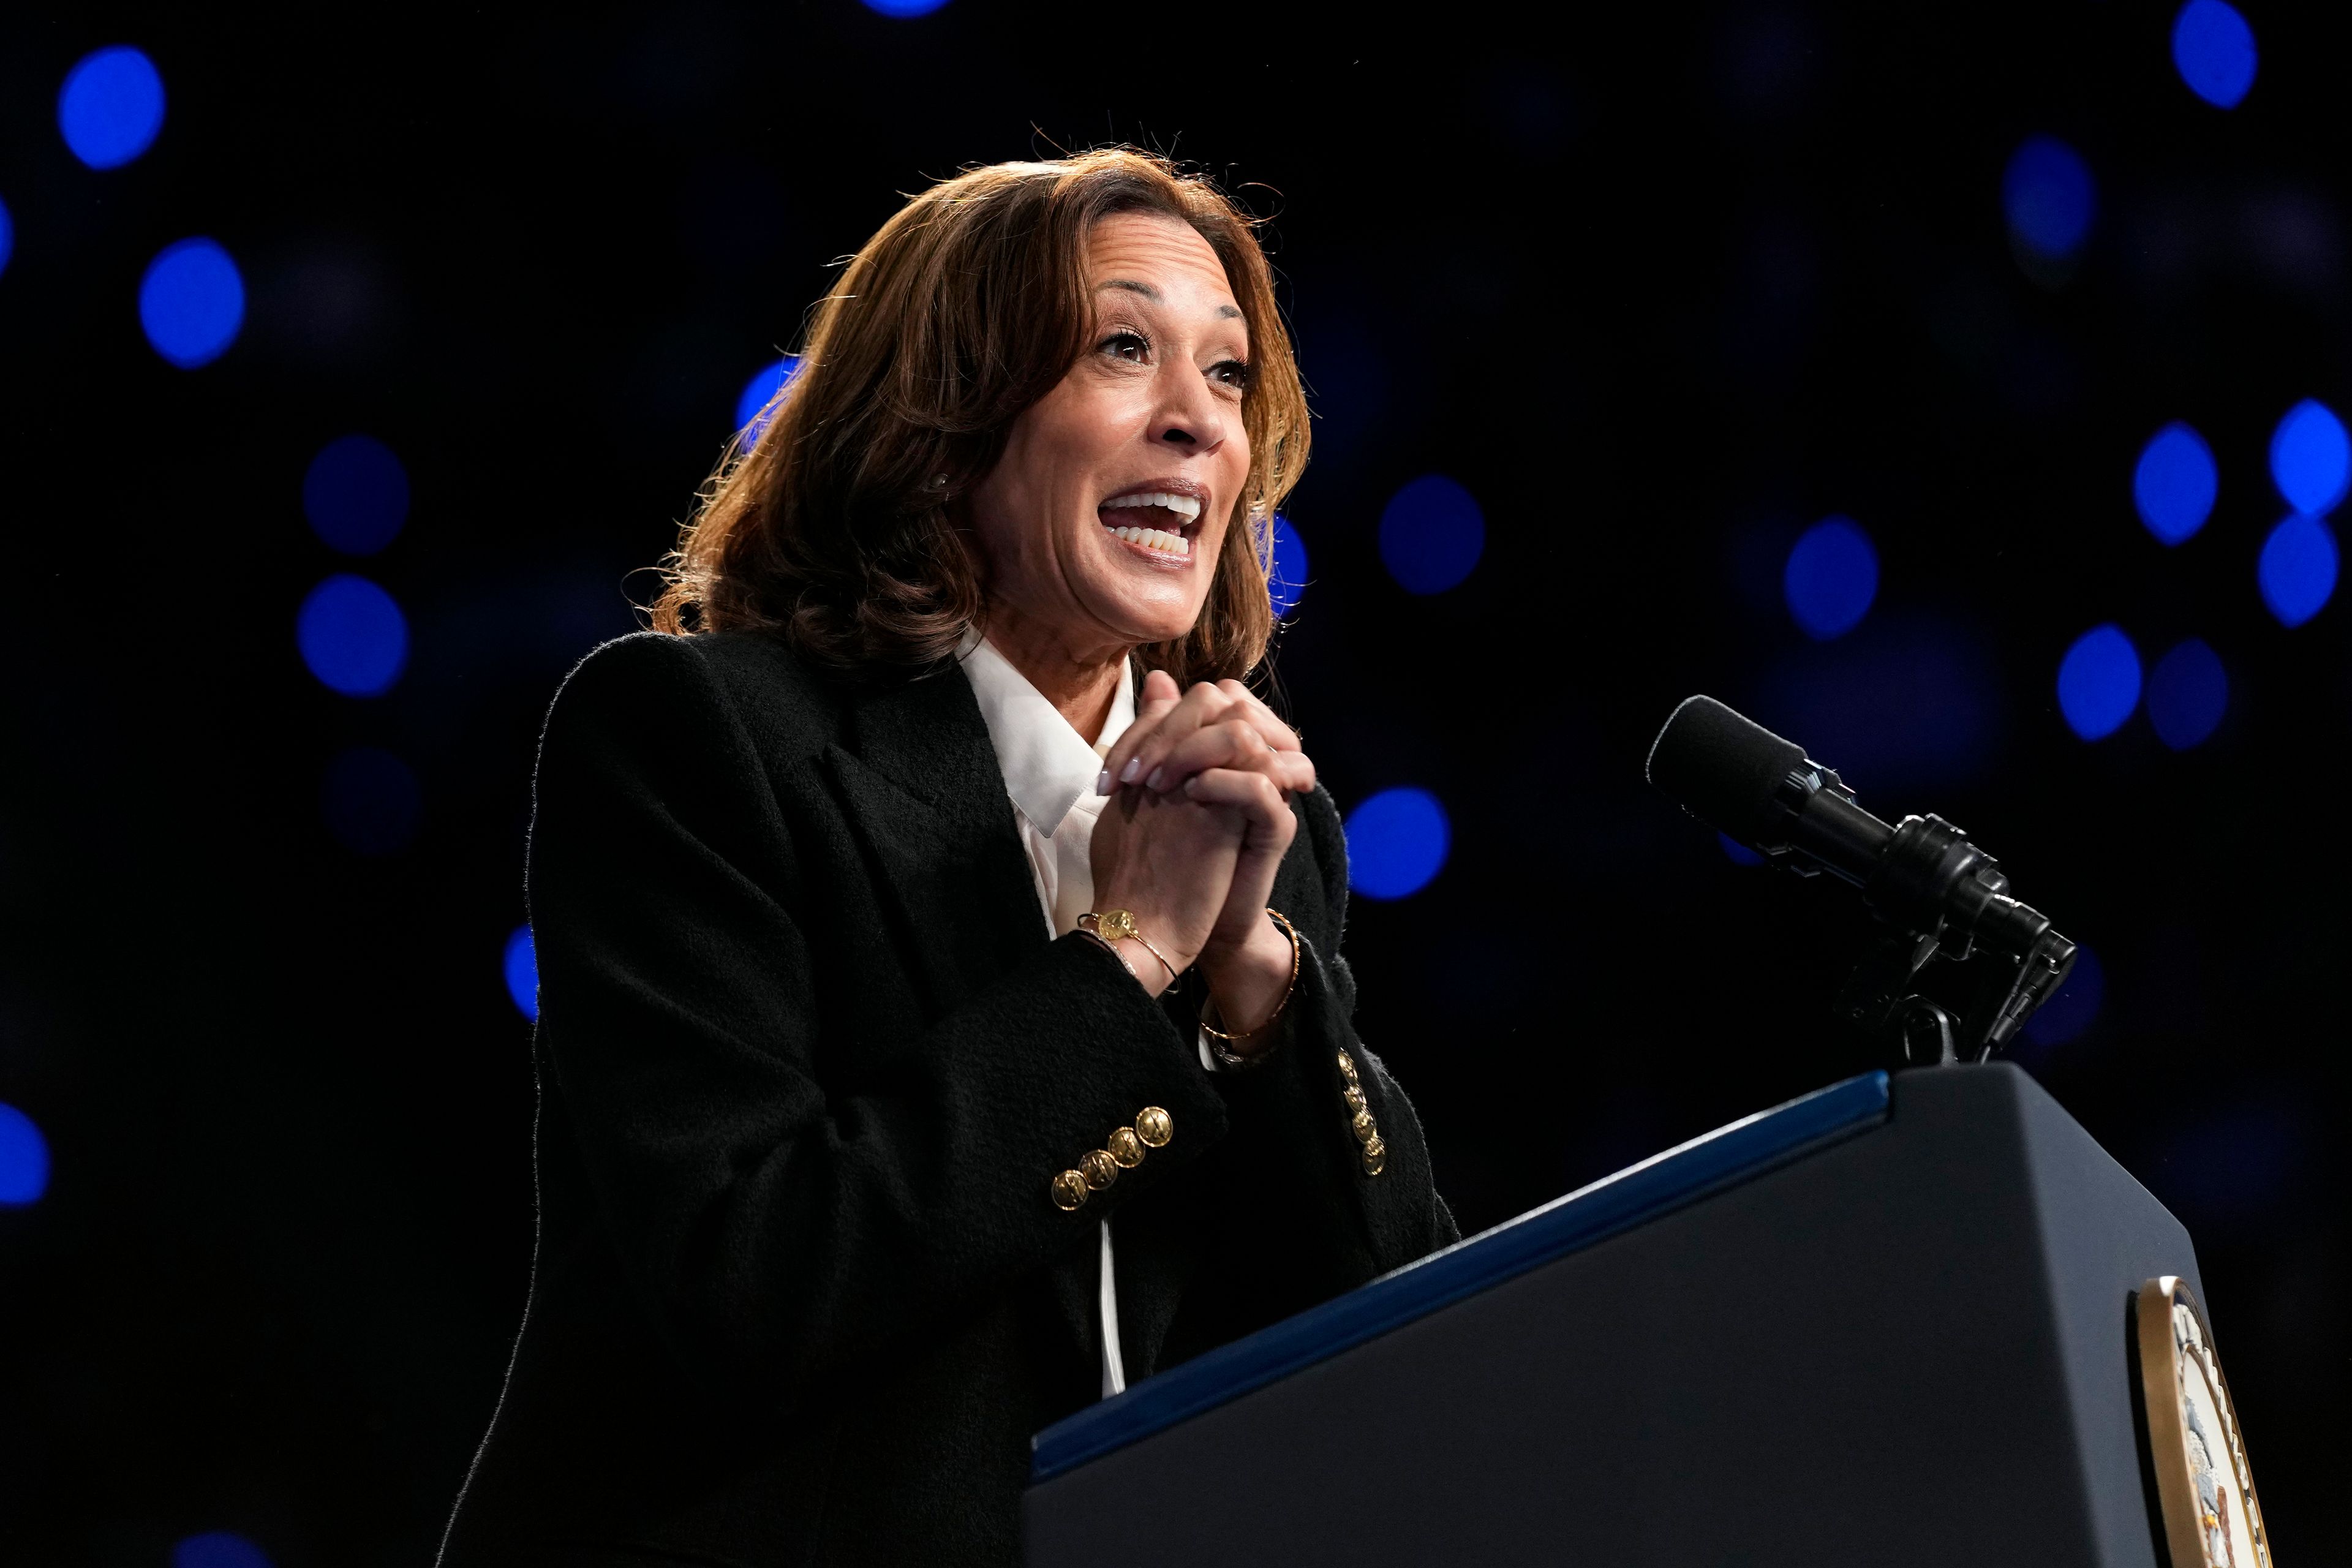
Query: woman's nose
point(1191, 418)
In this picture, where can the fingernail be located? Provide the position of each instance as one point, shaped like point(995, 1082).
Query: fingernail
point(1153, 782)
point(1102, 781)
point(1127, 774)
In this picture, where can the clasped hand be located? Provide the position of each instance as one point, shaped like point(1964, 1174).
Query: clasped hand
point(1197, 825)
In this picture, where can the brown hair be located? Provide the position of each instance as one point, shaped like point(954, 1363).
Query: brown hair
point(838, 529)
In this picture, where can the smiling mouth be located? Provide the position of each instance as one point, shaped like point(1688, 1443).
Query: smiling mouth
point(1159, 522)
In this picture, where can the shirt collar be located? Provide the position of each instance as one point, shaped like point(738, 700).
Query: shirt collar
point(1048, 767)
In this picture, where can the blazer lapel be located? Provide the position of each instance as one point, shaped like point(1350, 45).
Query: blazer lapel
point(921, 786)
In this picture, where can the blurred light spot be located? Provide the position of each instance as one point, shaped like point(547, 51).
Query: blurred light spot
point(2297, 569)
point(2188, 692)
point(1397, 841)
point(2075, 1007)
point(752, 410)
point(110, 106)
point(24, 1159)
point(1831, 578)
point(7, 237)
point(1739, 853)
point(191, 302)
point(353, 635)
point(2049, 197)
point(1432, 533)
point(522, 973)
point(218, 1549)
point(1287, 581)
point(371, 801)
point(2214, 50)
point(1904, 702)
point(355, 494)
point(2311, 457)
point(2098, 683)
point(904, 7)
point(2175, 483)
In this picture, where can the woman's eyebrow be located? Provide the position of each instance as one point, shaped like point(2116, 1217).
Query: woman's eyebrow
point(1151, 292)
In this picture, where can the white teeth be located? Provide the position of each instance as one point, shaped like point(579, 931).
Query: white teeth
point(1185, 507)
point(1156, 538)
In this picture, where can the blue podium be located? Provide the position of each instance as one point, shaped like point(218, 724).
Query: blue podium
point(1887, 1323)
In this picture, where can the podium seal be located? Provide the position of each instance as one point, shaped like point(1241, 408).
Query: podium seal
point(2204, 1488)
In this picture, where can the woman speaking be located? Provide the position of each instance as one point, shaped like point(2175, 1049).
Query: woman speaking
point(942, 1019)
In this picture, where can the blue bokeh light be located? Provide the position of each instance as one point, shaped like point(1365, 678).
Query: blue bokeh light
point(371, 801)
point(1831, 578)
point(2187, 693)
point(353, 635)
point(24, 1159)
point(2297, 569)
point(2311, 457)
point(521, 965)
point(355, 494)
point(191, 302)
point(110, 106)
point(751, 405)
point(1287, 581)
point(7, 237)
point(1737, 853)
point(218, 1549)
point(1431, 534)
point(2213, 49)
point(2098, 683)
point(2175, 483)
point(1906, 703)
point(1397, 841)
point(904, 7)
point(2048, 196)
point(2075, 1007)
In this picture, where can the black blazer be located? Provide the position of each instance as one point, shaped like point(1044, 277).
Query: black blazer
point(808, 1063)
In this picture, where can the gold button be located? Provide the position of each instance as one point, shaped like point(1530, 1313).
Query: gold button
point(1376, 1154)
point(1366, 1128)
point(1099, 1168)
point(1070, 1191)
point(1154, 1126)
point(1125, 1147)
point(1347, 1067)
point(1355, 1098)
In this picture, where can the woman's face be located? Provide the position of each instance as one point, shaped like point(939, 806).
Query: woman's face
point(1101, 524)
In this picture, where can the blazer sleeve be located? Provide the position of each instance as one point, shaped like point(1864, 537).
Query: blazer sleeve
point(1293, 1114)
point(776, 1230)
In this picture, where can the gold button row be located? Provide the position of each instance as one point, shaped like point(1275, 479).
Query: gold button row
point(1122, 1150)
point(1375, 1148)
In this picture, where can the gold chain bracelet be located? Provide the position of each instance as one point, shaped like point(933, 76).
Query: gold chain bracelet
point(1292, 933)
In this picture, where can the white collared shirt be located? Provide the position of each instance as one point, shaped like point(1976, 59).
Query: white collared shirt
point(1050, 771)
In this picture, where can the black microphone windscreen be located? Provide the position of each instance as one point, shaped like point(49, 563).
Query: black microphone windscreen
point(1722, 768)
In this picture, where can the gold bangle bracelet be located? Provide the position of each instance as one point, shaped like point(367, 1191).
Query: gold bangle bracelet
point(1112, 926)
point(1292, 933)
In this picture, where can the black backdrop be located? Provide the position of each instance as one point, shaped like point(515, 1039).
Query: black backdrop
point(1660, 285)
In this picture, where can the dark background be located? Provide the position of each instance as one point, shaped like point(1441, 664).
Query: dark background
point(1661, 285)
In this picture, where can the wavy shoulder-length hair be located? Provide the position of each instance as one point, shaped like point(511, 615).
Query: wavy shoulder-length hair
point(841, 527)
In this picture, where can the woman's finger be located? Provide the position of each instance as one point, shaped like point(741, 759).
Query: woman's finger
point(1158, 698)
point(1278, 735)
point(1252, 796)
point(1232, 743)
point(1202, 706)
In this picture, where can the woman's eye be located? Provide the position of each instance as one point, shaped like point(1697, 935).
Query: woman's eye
point(1231, 372)
point(1128, 346)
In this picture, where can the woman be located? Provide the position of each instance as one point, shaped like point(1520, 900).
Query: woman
point(919, 1055)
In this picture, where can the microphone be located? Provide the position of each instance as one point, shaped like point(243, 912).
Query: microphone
point(1941, 893)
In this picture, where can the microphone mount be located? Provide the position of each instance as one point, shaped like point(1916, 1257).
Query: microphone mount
point(1934, 893)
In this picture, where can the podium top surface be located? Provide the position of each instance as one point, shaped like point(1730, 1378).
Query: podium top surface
point(1613, 1205)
